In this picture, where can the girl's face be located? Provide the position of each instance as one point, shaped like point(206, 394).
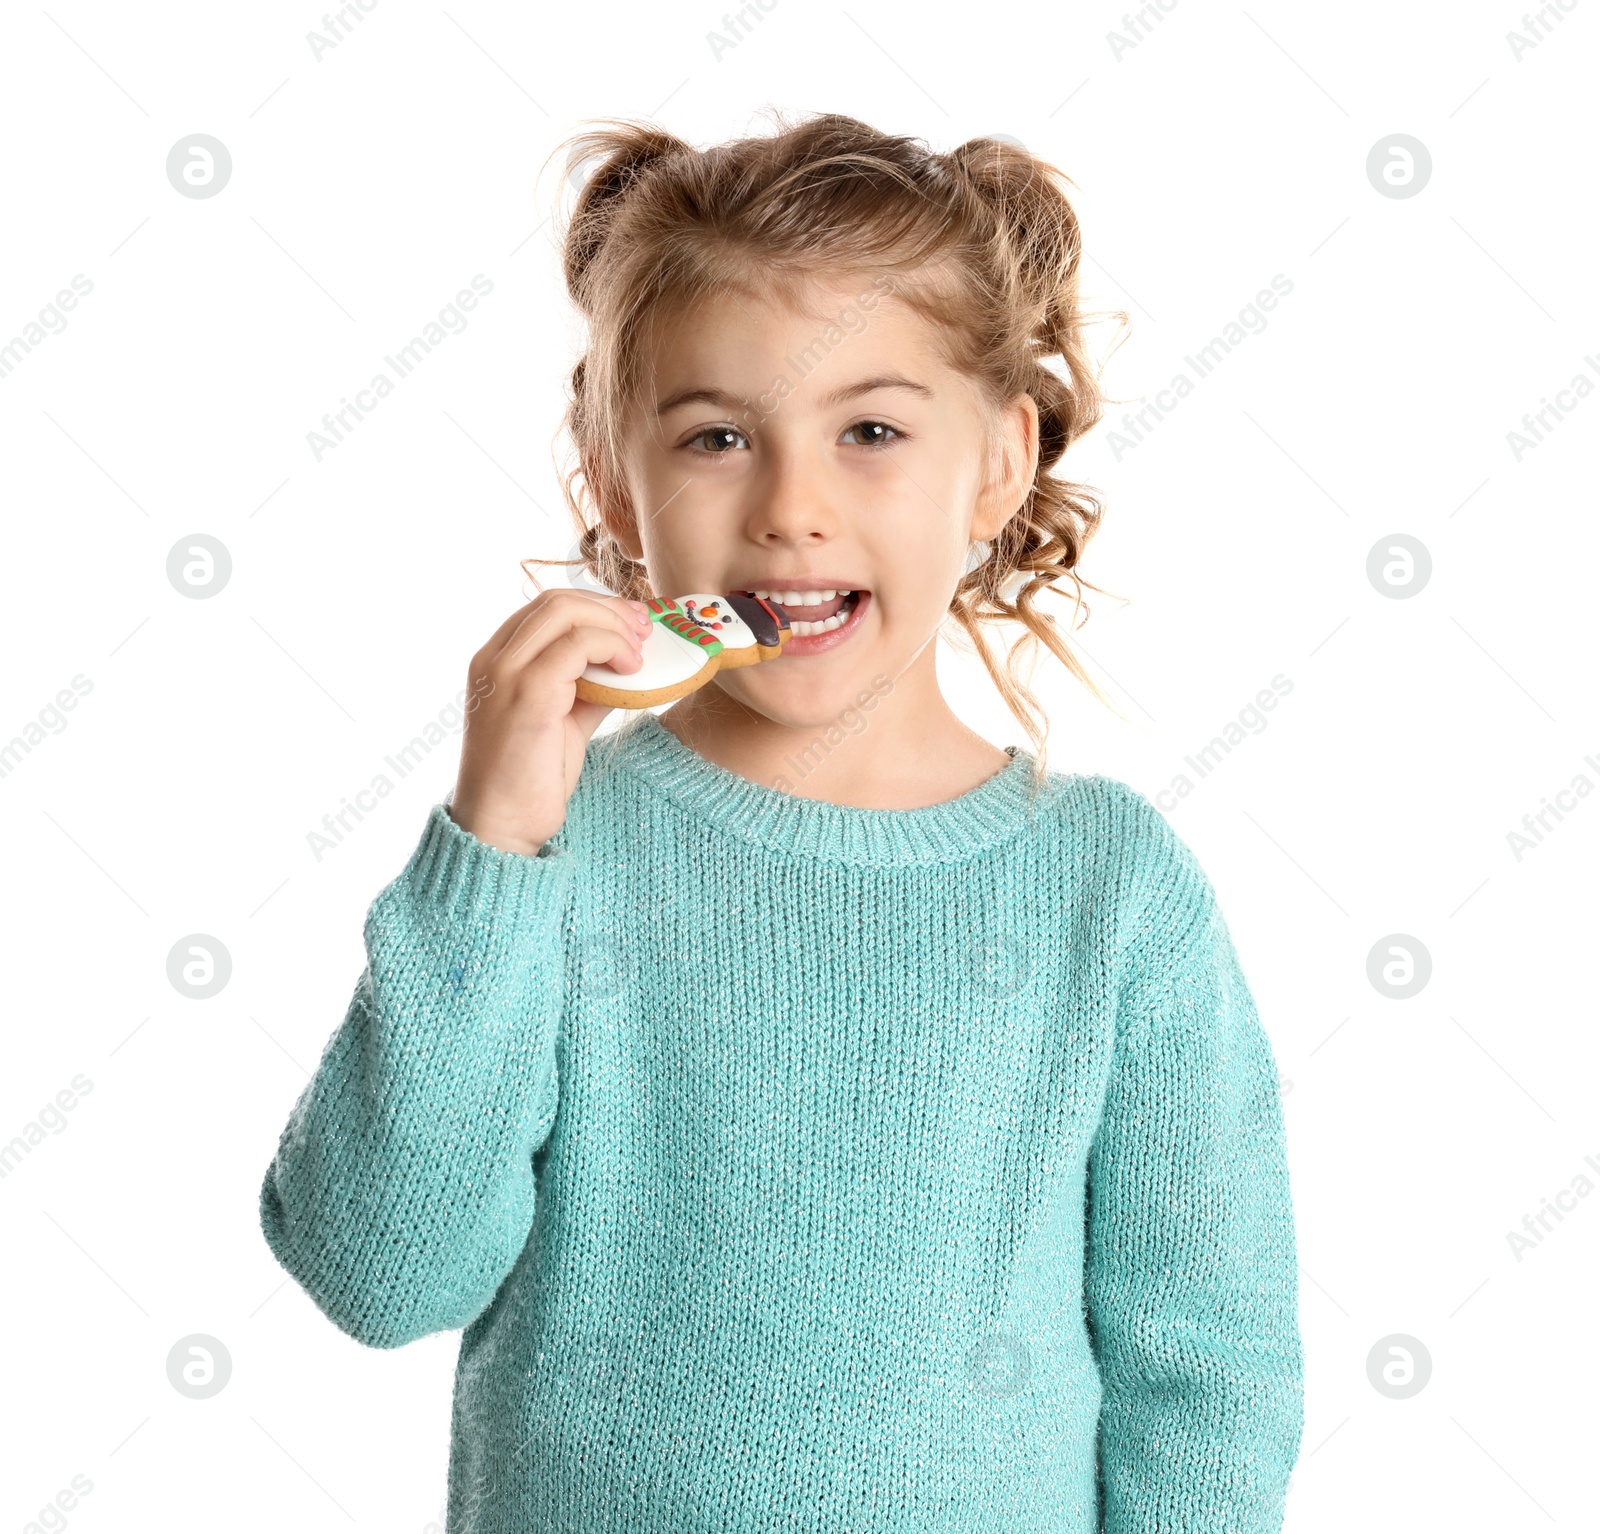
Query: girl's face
point(837, 459)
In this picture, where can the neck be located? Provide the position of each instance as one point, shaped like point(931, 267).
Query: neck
point(909, 750)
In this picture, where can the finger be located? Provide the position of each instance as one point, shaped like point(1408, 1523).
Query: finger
point(541, 624)
point(496, 642)
point(568, 656)
point(539, 630)
point(493, 645)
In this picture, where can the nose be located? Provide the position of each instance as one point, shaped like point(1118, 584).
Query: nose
point(792, 500)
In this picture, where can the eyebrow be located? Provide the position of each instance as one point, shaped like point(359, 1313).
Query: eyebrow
point(731, 402)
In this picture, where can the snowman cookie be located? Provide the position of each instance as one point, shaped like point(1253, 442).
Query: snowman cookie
point(691, 638)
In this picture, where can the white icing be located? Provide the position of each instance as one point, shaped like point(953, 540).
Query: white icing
point(729, 627)
point(668, 659)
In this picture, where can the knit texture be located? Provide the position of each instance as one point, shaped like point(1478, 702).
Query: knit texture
point(800, 1167)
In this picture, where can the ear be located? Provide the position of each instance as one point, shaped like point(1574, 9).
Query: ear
point(616, 513)
point(1011, 474)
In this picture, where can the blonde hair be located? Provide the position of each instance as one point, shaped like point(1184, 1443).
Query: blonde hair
point(981, 241)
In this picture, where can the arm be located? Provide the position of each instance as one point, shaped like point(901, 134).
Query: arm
point(402, 1191)
point(1191, 1277)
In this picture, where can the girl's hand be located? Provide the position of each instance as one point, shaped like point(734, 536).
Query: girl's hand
point(526, 731)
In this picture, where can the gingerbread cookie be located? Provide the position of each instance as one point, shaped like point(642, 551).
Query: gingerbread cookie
point(691, 638)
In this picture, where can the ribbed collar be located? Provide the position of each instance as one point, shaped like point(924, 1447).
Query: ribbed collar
point(951, 832)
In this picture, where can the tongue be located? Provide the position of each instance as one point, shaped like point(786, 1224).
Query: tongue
point(814, 614)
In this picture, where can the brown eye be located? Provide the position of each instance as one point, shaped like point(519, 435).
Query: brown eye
point(872, 428)
point(719, 436)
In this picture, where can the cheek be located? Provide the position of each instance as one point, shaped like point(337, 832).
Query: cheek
point(915, 584)
point(921, 540)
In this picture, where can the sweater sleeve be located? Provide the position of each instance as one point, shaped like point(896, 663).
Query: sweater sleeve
point(1191, 1276)
point(402, 1190)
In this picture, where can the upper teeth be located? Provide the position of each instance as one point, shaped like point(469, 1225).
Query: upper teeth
point(799, 598)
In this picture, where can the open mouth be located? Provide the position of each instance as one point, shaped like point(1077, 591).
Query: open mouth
point(813, 612)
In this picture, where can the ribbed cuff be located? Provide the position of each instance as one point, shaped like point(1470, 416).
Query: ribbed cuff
point(460, 876)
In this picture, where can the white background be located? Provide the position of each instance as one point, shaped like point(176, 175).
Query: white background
point(367, 189)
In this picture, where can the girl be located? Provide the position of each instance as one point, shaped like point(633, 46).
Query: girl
point(817, 1118)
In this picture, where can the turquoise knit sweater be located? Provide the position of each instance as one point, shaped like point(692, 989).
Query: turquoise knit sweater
point(800, 1167)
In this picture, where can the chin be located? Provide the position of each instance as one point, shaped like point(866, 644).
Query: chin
point(812, 705)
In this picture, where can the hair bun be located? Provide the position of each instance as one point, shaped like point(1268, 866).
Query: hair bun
point(1038, 224)
point(619, 154)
